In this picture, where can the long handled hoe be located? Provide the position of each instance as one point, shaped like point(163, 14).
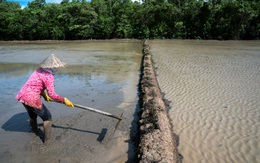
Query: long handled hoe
point(100, 112)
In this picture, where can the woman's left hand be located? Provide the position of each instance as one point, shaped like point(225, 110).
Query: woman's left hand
point(46, 97)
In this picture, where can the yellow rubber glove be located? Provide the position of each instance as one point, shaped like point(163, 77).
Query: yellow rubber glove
point(46, 97)
point(68, 103)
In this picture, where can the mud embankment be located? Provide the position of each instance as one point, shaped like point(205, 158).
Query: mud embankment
point(157, 142)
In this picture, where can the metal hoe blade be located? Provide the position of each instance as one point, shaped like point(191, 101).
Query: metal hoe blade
point(117, 124)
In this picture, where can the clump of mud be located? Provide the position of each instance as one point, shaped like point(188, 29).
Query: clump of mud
point(157, 143)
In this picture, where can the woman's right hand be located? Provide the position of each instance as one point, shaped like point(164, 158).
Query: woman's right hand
point(68, 103)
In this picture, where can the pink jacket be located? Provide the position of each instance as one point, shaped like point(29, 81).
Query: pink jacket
point(30, 93)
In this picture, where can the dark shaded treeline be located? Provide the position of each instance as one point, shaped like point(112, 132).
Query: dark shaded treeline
point(107, 19)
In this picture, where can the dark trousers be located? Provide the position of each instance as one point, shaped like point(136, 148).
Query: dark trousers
point(44, 113)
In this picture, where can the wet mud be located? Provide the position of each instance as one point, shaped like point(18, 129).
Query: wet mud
point(157, 141)
point(103, 75)
point(214, 90)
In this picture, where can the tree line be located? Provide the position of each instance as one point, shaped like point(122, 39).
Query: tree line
point(146, 19)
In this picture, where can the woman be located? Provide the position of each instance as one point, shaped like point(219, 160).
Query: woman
point(30, 94)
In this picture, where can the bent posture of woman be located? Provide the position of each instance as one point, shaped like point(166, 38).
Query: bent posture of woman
point(30, 95)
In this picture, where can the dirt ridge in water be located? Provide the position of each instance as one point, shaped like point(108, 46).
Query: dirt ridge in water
point(157, 141)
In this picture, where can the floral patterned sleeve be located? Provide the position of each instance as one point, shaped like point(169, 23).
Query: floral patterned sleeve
point(49, 86)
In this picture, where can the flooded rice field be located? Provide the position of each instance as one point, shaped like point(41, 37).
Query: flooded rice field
point(214, 90)
point(102, 75)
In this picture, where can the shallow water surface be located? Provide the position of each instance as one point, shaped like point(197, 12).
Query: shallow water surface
point(103, 75)
point(214, 91)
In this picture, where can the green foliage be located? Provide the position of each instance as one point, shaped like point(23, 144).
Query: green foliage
point(10, 21)
point(106, 19)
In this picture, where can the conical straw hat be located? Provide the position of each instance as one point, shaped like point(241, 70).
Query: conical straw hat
point(52, 62)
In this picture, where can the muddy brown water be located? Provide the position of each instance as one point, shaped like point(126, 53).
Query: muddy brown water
point(103, 75)
point(214, 90)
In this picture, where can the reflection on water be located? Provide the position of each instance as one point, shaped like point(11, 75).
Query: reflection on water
point(94, 69)
point(102, 75)
point(9, 70)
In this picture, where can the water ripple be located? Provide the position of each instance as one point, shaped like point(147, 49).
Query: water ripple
point(215, 90)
